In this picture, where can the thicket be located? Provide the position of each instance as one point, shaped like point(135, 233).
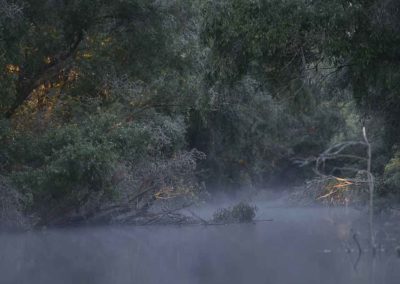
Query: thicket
point(108, 106)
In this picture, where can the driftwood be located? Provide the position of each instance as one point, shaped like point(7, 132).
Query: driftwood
point(231, 223)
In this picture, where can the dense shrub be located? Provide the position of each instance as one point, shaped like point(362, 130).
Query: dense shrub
point(64, 167)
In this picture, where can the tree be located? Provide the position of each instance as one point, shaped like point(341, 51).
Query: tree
point(93, 105)
point(332, 46)
point(61, 46)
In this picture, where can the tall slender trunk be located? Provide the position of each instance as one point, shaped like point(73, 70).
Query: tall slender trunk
point(371, 189)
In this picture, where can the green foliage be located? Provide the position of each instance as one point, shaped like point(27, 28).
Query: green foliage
point(94, 90)
point(71, 46)
point(94, 96)
point(239, 213)
point(251, 136)
point(72, 172)
point(76, 160)
point(392, 174)
point(281, 42)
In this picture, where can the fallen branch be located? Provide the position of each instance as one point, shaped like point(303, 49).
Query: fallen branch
point(233, 223)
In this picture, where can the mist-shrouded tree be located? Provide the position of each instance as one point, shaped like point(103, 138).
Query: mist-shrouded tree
point(103, 103)
point(331, 47)
point(93, 103)
point(271, 103)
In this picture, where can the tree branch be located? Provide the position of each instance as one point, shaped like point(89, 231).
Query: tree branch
point(26, 85)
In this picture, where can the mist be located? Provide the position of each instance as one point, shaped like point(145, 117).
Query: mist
point(301, 245)
point(200, 141)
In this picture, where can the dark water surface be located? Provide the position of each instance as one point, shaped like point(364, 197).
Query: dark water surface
point(310, 246)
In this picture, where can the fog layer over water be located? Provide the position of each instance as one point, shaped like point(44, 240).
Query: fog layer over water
point(300, 245)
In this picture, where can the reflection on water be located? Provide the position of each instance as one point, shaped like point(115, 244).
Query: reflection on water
point(300, 246)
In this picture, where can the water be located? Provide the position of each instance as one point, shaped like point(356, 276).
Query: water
point(300, 246)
